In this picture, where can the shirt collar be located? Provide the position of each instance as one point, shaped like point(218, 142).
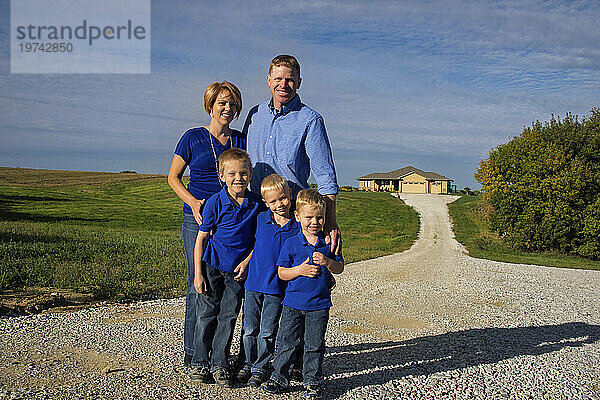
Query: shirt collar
point(287, 107)
point(320, 239)
point(289, 225)
point(224, 198)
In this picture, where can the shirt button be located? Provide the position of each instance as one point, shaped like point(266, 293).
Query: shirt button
point(268, 152)
point(271, 136)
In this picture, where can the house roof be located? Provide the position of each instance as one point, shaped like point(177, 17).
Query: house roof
point(402, 172)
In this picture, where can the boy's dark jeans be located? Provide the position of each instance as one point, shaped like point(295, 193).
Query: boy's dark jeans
point(288, 338)
point(217, 312)
point(261, 318)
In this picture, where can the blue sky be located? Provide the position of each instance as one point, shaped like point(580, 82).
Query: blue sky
point(434, 84)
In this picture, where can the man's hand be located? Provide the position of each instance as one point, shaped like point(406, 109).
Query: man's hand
point(200, 285)
point(309, 270)
point(334, 237)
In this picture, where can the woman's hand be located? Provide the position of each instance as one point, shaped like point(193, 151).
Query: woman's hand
point(196, 207)
point(200, 285)
point(178, 166)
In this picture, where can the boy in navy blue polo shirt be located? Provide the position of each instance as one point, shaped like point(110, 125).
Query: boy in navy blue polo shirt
point(306, 262)
point(231, 216)
point(264, 289)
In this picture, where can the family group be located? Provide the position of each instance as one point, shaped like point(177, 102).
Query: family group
point(253, 230)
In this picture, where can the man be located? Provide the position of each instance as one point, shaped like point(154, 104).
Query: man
point(287, 137)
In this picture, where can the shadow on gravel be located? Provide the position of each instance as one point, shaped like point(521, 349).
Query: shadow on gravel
point(378, 363)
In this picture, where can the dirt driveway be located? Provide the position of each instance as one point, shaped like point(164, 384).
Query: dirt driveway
point(435, 286)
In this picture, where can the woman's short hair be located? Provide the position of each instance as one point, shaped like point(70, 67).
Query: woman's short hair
point(214, 89)
point(234, 154)
point(310, 198)
point(286, 61)
point(274, 182)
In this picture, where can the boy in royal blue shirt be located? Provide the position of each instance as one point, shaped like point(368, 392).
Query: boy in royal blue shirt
point(231, 217)
point(306, 262)
point(264, 289)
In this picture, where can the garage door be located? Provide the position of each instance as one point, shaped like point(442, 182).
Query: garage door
point(414, 187)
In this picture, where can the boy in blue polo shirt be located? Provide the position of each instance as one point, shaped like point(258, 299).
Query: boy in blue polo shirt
point(306, 262)
point(231, 217)
point(264, 289)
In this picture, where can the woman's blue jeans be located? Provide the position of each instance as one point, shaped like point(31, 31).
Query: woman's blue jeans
point(190, 232)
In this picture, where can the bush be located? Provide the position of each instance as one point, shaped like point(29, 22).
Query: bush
point(542, 188)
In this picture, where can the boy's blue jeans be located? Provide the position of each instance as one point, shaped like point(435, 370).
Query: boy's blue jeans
point(215, 319)
point(261, 319)
point(288, 338)
point(189, 230)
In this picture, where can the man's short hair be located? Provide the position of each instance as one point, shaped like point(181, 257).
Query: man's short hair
point(214, 89)
point(286, 61)
point(311, 198)
point(274, 182)
point(234, 154)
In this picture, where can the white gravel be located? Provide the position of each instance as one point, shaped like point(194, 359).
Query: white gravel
point(429, 323)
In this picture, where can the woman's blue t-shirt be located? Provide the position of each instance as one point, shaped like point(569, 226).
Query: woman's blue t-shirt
point(195, 149)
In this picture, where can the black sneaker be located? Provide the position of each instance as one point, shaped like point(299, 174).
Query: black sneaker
point(296, 373)
point(314, 392)
point(187, 360)
point(243, 375)
point(223, 378)
point(272, 387)
point(256, 380)
point(202, 374)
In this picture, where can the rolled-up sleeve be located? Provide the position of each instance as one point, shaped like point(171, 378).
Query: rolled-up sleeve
point(318, 151)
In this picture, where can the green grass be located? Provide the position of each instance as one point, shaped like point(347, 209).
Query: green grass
point(375, 224)
point(473, 231)
point(119, 235)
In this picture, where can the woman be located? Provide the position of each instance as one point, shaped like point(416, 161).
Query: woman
point(199, 149)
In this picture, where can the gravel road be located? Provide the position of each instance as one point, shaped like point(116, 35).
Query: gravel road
point(428, 323)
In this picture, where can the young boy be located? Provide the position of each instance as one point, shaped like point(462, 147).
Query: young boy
point(306, 262)
point(264, 289)
point(231, 216)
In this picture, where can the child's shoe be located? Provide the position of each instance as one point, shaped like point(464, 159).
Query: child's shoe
point(223, 378)
point(243, 375)
point(187, 360)
point(256, 380)
point(314, 392)
point(201, 374)
point(296, 373)
point(272, 387)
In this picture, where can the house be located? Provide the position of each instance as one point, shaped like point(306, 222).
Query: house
point(405, 180)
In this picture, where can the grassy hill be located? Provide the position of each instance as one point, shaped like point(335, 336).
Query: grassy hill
point(118, 235)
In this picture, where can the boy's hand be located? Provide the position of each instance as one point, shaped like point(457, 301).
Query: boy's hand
point(241, 270)
point(200, 285)
point(321, 259)
point(309, 270)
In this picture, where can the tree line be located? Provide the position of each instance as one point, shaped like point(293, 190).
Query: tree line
point(542, 188)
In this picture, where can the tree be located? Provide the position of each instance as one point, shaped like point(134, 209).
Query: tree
point(542, 188)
